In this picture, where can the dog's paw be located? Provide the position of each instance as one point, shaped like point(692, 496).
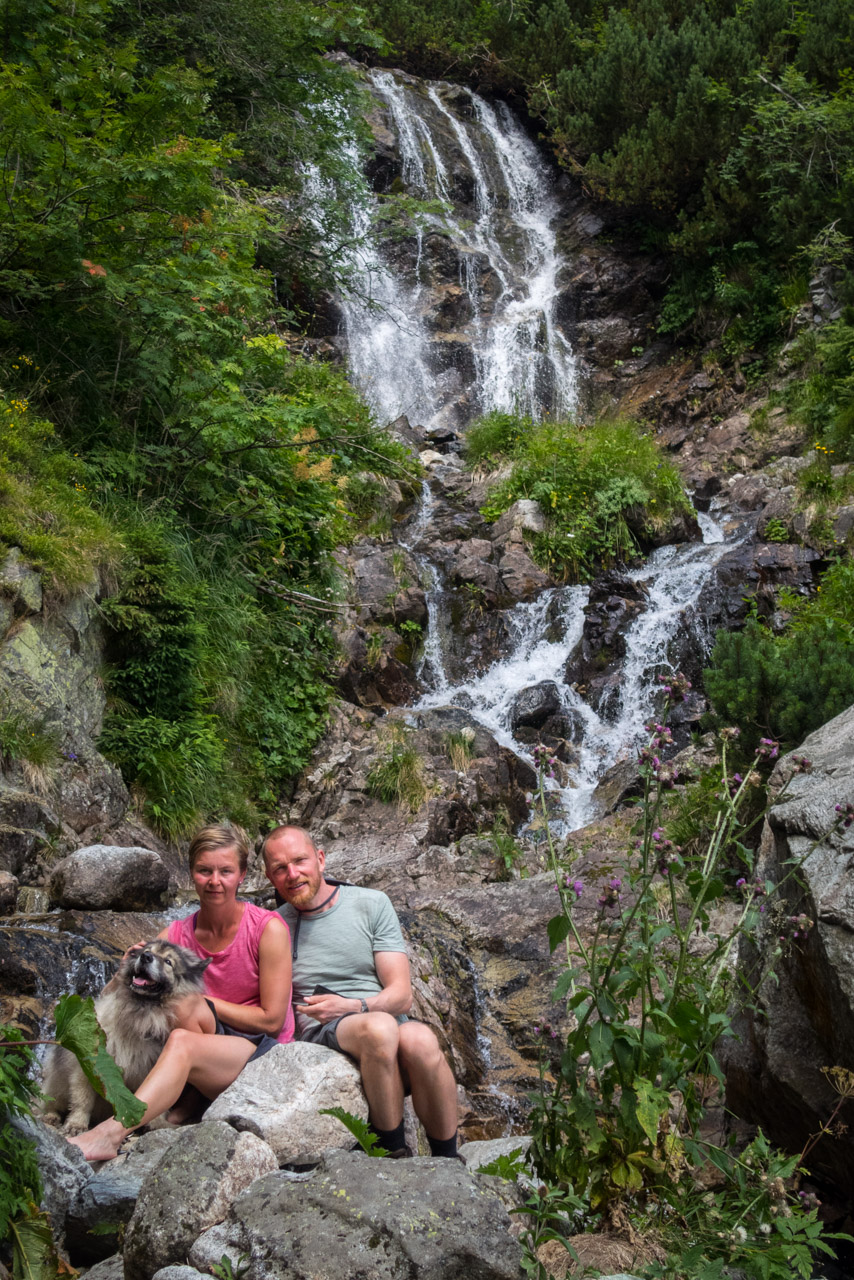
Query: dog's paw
point(52, 1118)
point(75, 1125)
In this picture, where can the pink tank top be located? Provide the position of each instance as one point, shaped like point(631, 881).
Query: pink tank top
point(232, 974)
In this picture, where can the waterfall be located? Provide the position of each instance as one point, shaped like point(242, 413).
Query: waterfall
point(459, 318)
point(674, 576)
point(490, 259)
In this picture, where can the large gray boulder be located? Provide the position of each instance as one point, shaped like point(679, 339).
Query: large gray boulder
point(278, 1097)
point(424, 1219)
point(103, 877)
point(190, 1189)
point(108, 1197)
point(803, 1019)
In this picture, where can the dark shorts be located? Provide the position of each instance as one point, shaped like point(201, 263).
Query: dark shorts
point(263, 1043)
point(326, 1033)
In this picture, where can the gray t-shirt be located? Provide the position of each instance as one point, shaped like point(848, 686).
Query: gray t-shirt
point(336, 947)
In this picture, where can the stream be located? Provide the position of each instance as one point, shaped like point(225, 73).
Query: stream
point(466, 321)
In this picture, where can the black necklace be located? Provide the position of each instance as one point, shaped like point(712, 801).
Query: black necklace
point(307, 911)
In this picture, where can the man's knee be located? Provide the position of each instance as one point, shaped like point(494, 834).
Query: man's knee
point(419, 1046)
point(374, 1036)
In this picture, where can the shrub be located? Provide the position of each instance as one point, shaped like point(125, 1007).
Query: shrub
point(397, 777)
point(606, 491)
point(781, 687)
point(45, 501)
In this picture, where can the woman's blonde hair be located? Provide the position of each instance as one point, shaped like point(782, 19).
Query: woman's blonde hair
point(224, 835)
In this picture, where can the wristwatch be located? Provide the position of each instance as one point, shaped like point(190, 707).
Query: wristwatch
point(364, 1005)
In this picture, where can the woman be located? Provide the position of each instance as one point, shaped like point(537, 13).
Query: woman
point(248, 983)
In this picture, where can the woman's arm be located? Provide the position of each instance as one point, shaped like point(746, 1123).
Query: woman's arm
point(274, 986)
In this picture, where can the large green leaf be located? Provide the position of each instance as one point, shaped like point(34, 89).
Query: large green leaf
point(652, 1104)
point(34, 1254)
point(77, 1030)
point(367, 1140)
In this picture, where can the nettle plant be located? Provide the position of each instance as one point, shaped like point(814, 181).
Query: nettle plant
point(648, 996)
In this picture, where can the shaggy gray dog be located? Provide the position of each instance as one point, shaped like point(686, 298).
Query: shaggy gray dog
point(136, 1010)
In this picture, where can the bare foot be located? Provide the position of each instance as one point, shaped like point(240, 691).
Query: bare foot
point(102, 1142)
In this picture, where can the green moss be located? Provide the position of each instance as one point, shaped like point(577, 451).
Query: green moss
point(45, 507)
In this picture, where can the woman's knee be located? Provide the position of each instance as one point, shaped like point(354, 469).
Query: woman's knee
point(180, 1044)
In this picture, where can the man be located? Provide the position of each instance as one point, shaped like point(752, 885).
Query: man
point(352, 992)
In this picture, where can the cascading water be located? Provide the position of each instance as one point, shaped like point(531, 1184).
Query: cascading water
point(674, 576)
point(497, 229)
point(495, 243)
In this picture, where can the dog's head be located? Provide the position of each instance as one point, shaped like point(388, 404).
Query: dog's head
point(163, 971)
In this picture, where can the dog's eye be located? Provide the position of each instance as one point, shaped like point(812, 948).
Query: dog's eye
point(166, 960)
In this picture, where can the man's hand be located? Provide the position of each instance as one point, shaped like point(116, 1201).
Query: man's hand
point(324, 1008)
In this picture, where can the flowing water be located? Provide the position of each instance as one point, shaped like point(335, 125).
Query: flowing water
point(493, 250)
point(498, 226)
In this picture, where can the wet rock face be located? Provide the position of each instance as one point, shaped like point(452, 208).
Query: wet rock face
point(754, 569)
point(804, 1016)
point(615, 601)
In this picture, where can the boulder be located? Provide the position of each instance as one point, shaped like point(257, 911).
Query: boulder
point(93, 795)
point(424, 1219)
point(180, 1273)
point(386, 584)
point(112, 1268)
point(802, 1019)
point(28, 823)
point(192, 1187)
point(520, 577)
point(533, 706)
point(63, 1168)
point(104, 876)
point(525, 515)
point(471, 567)
point(278, 1098)
point(8, 893)
point(109, 1196)
point(21, 584)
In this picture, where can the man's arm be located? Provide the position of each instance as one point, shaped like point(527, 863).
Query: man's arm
point(396, 996)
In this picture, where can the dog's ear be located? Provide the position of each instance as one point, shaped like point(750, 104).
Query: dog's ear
point(197, 966)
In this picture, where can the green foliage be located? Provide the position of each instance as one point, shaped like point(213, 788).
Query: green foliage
point(786, 686)
point(361, 1131)
point(752, 1222)
point(397, 776)
point(640, 1014)
point(606, 490)
point(45, 504)
point(226, 1270)
point(776, 530)
point(824, 399)
point(459, 744)
point(507, 1166)
point(136, 315)
point(24, 738)
point(77, 1029)
point(20, 1184)
point(492, 439)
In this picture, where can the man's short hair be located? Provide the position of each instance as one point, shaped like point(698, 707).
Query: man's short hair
point(277, 831)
